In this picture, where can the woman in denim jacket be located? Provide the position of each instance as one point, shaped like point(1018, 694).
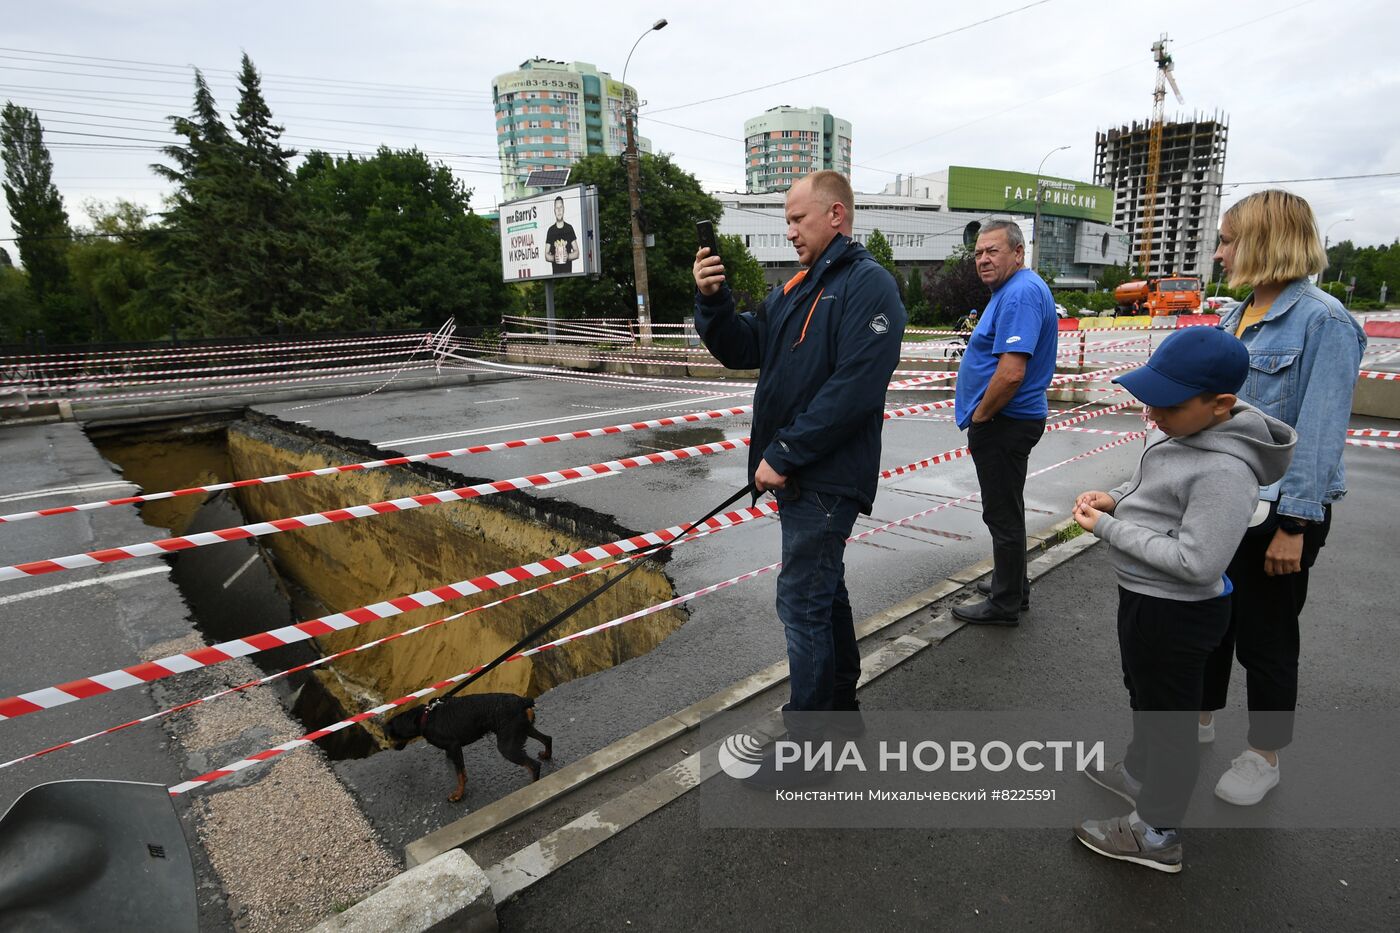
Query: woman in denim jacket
point(1304, 356)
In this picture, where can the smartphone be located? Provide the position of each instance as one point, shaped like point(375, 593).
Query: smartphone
point(705, 232)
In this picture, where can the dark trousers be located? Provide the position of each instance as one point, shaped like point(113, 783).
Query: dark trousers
point(1164, 645)
point(815, 609)
point(1264, 635)
point(1001, 449)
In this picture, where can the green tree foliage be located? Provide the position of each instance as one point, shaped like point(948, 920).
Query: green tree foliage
point(743, 273)
point(41, 226)
point(1113, 276)
point(434, 258)
point(1372, 266)
point(672, 201)
point(36, 208)
point(954, 290)
point(19, 312)
point(112, 270)
point(915, 301)
point(241, 254)
point(880, 250)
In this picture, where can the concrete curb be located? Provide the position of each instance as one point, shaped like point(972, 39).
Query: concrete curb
point(451, 891)
point(534, 796)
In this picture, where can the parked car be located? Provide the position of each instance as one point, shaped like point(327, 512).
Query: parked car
point(1220, 304)
point(1060, 310)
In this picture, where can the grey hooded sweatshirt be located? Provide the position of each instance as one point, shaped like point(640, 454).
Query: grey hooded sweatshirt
point(1178, 521)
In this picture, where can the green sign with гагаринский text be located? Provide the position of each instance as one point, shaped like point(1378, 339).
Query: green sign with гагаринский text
point(986, 189)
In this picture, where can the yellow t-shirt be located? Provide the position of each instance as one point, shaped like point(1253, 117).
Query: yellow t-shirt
point(1252, 315)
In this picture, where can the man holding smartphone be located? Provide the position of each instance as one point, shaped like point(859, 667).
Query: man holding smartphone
point(825, 346)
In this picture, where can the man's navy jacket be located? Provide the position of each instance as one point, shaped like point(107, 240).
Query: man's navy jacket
point(825, 346)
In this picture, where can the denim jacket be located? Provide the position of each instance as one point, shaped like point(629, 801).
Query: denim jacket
point(1304, 357)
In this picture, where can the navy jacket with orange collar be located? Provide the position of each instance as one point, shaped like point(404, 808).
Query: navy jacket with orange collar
point(825, 346)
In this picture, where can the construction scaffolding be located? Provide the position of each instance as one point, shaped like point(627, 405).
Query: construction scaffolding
point(1185, 215)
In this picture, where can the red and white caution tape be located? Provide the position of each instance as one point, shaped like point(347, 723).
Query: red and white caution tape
point(1382, 445)
point(375, 370)
point(311, 737)
point(89, 381)
point(1371, 432)
point(61, 694)
point(357, 649)
point(162, 354)
point(330, 516)
point(420, 458)
point(1370, 374)
point(388, 462)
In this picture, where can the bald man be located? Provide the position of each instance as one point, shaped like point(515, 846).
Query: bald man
point(825, 346)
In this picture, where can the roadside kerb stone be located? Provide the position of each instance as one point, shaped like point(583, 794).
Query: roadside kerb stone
point(451, 890)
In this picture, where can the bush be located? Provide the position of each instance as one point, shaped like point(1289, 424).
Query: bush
point(1073, 301)
point(1099, 301)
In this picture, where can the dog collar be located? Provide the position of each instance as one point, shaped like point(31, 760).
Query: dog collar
point(423, 718)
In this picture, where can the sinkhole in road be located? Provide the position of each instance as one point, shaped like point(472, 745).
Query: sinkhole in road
point(243, 587)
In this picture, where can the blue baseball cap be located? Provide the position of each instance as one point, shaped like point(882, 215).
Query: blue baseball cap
point(1190, 362)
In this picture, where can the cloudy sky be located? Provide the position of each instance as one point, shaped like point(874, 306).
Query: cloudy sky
point(1309, 88)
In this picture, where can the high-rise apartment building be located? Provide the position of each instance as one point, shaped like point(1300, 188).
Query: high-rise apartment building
point(786, 143)
point(551, 114)
point(1186, 215)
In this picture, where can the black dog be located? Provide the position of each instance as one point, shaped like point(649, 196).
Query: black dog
point(456, 722)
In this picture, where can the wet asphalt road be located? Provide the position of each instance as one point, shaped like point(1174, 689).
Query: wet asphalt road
point(731, 633)
point(669, 872)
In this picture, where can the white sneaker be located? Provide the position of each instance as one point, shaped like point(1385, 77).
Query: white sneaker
point(1250, 777)
point(1205, 734)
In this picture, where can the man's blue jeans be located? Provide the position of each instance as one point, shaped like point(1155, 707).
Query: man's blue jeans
point(823, 658)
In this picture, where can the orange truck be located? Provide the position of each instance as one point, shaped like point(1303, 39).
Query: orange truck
point(1174, 295)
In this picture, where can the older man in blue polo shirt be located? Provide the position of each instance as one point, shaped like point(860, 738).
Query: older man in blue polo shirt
point(1009, 361)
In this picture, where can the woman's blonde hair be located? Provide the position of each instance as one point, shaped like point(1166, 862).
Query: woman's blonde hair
point(1275, 236)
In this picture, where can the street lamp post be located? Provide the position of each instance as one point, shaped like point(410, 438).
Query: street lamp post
point(1327, 241)
point(634, 201)
point(1035, 230)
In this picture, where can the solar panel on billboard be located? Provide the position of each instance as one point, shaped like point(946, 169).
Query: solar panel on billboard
point(547, 178)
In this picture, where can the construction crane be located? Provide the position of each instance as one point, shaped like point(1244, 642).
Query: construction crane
point(1154, 149)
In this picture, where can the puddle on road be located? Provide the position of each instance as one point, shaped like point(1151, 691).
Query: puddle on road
point(310, 572)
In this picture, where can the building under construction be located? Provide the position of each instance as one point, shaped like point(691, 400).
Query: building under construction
point(1186, 217)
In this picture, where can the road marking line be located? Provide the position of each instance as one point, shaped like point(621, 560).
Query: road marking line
point(239, 572)
point(398, 442)
point(109, 578)
point(65, 490)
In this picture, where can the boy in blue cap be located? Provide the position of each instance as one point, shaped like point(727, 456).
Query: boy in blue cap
point(1172, 530)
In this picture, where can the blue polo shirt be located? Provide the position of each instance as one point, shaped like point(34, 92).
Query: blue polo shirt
point(1020, 318)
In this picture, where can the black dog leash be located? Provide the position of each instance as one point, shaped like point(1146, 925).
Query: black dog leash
point(585, 600)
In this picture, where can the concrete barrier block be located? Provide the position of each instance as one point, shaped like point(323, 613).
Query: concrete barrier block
point(449, 892)
point(1377, 398)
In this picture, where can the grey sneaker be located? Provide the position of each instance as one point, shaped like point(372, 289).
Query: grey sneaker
point(1129, 840)
point(1117, 779)
point(1205, 734)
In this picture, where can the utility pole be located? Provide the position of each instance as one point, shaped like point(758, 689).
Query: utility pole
point(639, 246)
point(634, 198)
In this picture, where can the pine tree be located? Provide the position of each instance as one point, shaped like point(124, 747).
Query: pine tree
point(195, 246)
point(881, 251)
point(243, 255)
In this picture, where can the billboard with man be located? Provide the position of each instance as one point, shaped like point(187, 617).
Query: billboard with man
point(551, 236)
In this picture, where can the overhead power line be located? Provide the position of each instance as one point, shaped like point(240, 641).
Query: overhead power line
point(854, 61)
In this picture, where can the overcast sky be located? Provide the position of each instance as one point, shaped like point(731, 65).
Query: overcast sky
point(1309, 89)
